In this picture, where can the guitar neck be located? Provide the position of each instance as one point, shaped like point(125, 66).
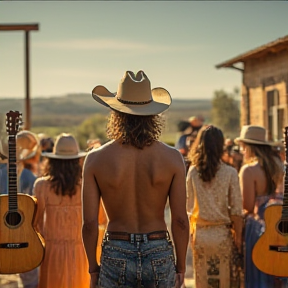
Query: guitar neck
point(12, 174)
point(285, 198)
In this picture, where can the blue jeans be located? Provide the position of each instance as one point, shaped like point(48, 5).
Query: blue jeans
point(148, 264)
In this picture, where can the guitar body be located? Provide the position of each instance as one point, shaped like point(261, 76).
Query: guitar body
point(270, 253)
point(21, 247)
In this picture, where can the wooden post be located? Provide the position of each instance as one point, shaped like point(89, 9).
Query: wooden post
point(27, 123)
point(26, 28)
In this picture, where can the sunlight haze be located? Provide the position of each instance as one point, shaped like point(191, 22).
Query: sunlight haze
point(83, 44)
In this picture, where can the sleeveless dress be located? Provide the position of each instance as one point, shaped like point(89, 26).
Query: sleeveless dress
point(254, 227)
point(65, 264)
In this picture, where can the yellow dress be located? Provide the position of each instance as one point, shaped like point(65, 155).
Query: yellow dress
point(59, 220)
point(209, 221)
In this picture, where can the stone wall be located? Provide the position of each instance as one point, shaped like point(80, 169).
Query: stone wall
point(260, 76)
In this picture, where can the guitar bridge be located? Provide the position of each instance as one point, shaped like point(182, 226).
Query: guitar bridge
point(14, 245)
point(278, 248)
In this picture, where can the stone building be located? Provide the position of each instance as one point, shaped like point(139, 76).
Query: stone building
point(264, 86)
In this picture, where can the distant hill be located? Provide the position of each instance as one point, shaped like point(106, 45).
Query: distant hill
point(72, 109)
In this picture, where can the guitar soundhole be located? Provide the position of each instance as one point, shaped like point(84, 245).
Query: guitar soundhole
point(283, 226)
point(13, 219)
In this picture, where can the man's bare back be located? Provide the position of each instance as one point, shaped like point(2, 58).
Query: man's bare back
point(134, 184)
point(134, 175)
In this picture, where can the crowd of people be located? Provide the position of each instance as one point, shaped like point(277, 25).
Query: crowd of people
point(101, 211)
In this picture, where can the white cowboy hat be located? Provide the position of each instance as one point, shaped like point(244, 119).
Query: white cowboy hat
point(253, 134)
point(27, 144)
point(134, 96)
point(66, 147)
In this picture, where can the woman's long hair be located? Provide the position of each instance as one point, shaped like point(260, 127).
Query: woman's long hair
point(207, 151)
point(269, 161)
point(64, 175)
point(137, 130)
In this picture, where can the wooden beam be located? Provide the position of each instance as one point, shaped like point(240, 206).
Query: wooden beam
point(26, 28)
point(19, 27)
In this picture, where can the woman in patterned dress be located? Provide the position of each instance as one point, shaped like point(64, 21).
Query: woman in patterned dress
point(213, 187)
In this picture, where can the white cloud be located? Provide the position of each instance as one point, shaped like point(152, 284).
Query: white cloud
point(112, 44)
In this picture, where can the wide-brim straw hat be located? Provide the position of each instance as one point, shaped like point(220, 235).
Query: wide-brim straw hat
point(134, 96)
point(66, 147)
point(27, 144)
point(253, 134)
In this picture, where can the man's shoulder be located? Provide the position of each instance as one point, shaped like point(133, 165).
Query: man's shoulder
point(168, 148)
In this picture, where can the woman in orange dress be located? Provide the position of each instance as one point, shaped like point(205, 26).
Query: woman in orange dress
point(59, 217)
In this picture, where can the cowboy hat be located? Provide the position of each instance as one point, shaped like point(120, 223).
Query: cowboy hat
point(66, 147)
point(27, 144)
point(253, 134)
point(134, 96)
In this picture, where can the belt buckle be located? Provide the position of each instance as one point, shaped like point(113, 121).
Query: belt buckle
point(138, 237)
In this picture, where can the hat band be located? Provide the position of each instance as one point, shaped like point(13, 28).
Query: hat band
point(132, 102)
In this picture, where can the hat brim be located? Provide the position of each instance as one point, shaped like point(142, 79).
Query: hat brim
point(250, 141)
point(160, 103)
point(28, 156)
point(57, 156)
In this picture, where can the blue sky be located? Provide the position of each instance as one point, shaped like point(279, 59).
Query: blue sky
point(83, 44)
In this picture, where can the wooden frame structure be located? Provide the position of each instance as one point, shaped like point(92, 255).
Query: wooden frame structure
point(26, 28)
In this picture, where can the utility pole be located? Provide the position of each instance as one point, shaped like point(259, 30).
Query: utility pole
point(26, 28)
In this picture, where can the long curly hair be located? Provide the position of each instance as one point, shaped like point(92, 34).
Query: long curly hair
point(269, 161)
point(64, 175)
point(207, 151)
point(137, 130)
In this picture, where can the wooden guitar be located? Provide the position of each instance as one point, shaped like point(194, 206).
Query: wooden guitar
point(21, 247)
point(270, 253)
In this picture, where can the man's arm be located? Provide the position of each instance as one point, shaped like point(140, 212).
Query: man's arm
point(179, 218)
point(90, 209)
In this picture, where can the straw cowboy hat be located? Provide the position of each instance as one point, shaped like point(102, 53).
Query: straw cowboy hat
point(66, 147)
point(134, 96)
point(253, 134)
point(27, 144)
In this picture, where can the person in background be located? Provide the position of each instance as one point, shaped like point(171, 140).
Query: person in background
point(47, 144)
point(260, 177)
point(186, 140)
point(3, 167)
point(58, 217)
point(214, 203)
point(28, 153)
point(134, 174)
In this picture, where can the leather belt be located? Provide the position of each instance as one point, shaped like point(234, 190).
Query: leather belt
point(137, 237)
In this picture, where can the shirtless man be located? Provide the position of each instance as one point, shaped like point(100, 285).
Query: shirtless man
point(135, 174)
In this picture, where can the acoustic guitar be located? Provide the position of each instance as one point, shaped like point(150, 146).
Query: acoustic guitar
point(21, 246)
point(270, 253)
